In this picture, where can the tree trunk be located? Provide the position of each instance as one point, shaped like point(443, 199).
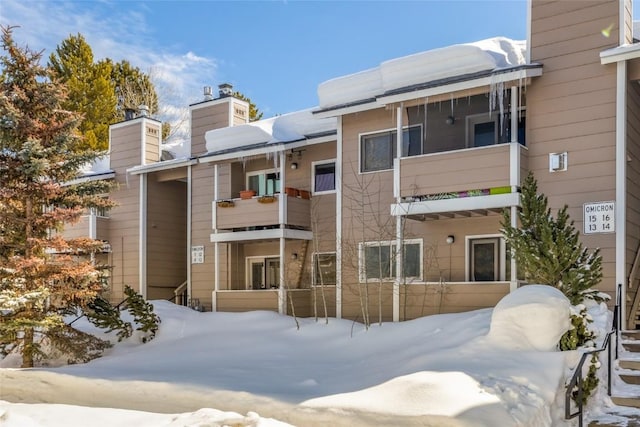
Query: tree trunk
point(27, 348)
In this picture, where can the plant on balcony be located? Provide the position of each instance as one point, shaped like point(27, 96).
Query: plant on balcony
point(247, 194)
point(226, 203)
point(266, 199)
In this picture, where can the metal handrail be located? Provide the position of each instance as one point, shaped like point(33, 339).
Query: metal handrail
point(577, 380)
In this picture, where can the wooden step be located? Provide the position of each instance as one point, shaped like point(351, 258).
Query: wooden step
point(629, 364)
point(632, 346)
point(633, 402)
point(630, 335)
point(630, 379)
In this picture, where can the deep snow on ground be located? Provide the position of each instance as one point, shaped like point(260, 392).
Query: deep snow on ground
point(259, 369)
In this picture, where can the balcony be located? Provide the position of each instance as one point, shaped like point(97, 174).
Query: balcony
point(249, 219)
point(92, 226)
point(469, 180)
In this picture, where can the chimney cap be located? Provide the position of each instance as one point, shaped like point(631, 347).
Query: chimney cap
point(225, 89)
point(144, 110)
point(208, 94)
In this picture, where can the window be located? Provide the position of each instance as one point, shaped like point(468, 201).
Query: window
point(487, 260)
point(324, 177)
point(482, 130)
point(378, 260)
point(378, 150)
point(263, 273)
point(263, 182)
point(324, 268)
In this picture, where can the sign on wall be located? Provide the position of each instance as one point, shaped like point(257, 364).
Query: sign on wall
point(599, 217)
point(197, 254)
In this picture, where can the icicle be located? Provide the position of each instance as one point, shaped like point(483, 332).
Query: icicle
point(426, 104)
point(451, 95)
point(496, 99)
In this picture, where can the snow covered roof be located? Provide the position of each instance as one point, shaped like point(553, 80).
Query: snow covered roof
point(493, 54)
point(296, 126)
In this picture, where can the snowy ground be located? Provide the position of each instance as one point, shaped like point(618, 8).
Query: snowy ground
point(258, 369)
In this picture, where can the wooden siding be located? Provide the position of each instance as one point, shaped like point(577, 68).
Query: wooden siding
point(202, 275)
point(417, 300)
point(152, 137)
point(166, 233)
point(241, 301)
point(633, 185)
point(124, 218)
point(571, 108)
point(470, 169)
point(321, 295)
point(240, 113)
point(299, 302)
point(204, 118)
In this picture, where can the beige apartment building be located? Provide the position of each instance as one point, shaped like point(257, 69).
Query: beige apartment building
point(303, 214)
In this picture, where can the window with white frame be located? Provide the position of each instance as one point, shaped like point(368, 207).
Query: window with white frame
point(324, 177)
point(324, 268)
point(377, 150)
point(482, 130)
point(377, 260)
point(487, 261)
point(263, 182)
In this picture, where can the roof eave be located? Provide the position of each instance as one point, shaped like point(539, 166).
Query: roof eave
point(267, 148)
point(620, 53)
point(442, 86)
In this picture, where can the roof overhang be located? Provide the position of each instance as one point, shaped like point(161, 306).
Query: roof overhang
point(620, 53)
point(448, 208)
point(161, 166)
point(443, 86)
point(267, 148)
point(92, 177)
point(271, 234)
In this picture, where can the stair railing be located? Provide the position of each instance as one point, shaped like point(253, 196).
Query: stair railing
point(179, 294)
point(577, 380)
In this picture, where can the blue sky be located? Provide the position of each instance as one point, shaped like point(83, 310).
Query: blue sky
point(274, 52)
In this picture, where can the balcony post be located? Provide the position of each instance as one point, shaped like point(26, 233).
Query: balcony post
point(216, 245)
point(399, 219)
point(282, 218)
point(514, 177)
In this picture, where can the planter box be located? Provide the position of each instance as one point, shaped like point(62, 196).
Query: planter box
point(247, 194)
point(291, 192)
point(304, 194)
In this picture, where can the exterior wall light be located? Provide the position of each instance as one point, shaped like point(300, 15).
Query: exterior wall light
point(450, 239)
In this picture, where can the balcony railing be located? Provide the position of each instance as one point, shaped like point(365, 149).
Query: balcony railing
point(462, 170)
point(92, 226)
point(247, 214)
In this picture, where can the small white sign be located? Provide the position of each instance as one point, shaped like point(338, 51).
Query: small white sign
point(599, 217)
point(197, 254)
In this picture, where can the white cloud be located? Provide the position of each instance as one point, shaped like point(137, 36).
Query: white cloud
point(114, 31)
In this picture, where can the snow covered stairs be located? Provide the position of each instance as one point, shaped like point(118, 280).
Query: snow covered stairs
point(627, 393)
point(626, 389)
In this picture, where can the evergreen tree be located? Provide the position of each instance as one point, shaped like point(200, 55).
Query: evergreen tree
point(41, 273)
point(132, 88)
point(548, 250)
point(91, 90)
